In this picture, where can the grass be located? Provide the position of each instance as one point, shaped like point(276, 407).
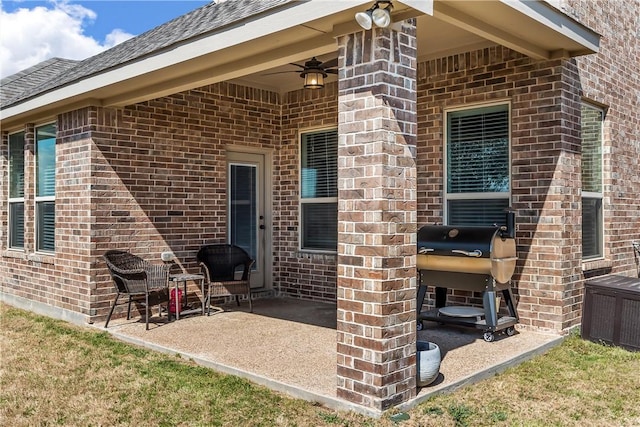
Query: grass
point(53, 373)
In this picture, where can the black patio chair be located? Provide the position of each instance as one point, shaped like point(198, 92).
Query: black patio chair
point(137, 278)
point(219, 264)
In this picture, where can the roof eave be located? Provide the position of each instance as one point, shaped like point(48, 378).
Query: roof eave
point(558, 21)
point(286, 37)
point(255, 28)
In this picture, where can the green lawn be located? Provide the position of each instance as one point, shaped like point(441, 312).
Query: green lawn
point(53, 373)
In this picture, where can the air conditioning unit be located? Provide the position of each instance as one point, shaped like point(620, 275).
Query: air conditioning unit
point(611, 311)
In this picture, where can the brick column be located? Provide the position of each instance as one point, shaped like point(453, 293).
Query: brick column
point(377, 217)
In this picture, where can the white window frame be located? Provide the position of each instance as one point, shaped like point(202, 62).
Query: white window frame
point(315, 200)
point(596, 195)
point(472, 196)
point(41, 199)
point(14, 200)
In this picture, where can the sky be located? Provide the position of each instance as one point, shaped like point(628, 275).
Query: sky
point(34, 31)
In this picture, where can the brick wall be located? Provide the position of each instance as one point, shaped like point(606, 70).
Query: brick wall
point(545, 98)
point(73, 211)
point(152, 177)
point(545, 166)
point(61, 280)
point(301, 274)
point(611, 79)
point(159, 175)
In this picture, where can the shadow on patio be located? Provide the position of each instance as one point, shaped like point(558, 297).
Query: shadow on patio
point(289, 345)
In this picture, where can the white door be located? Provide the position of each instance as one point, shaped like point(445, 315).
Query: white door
point(246, 208)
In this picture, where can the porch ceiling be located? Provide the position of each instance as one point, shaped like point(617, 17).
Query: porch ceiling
point(247, 50)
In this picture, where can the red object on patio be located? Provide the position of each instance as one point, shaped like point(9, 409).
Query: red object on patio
point(172, 301)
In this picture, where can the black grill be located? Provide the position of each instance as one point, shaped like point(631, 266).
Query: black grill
point(479, 259)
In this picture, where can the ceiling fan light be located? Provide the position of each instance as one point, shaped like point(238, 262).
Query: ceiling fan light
point(381, 17)
point(364, 19)
point(313, 78)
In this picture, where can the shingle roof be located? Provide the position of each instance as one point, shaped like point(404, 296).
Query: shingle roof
point(12, 86)
point(206, 19)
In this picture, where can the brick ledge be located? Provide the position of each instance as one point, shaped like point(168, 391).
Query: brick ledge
point(596, 264)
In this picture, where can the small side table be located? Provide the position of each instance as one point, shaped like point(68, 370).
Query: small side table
point(184, 278)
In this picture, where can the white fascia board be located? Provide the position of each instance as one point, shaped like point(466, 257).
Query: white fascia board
point(242, 32)
point(424, 6)
point(546, 14)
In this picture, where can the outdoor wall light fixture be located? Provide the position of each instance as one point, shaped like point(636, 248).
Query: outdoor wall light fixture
point(376, 15)
point(313, 74)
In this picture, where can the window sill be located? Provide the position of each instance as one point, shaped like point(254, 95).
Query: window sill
point(14, 253)
point(596, 264)
point(43, 258)
point(316, 255)
point(317, 251)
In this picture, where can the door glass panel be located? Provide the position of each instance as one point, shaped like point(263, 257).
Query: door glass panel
point(243, 208)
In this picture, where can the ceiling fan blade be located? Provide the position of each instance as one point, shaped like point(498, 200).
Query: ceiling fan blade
point(281, 72)
point(333, 71)
point(330, 63)
point(298, 65)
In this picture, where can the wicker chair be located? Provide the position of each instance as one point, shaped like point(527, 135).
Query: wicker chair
point(137, 278)
point(219, 264)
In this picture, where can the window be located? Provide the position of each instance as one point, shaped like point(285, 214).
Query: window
point(592, 219)
point(477, 166)
point(16, 190)
point(319, 190)
point(45, 187)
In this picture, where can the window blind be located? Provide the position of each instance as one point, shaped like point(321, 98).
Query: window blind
point(16, 165)
point(591, 227)
point(46, 167)
point(243, 199)
point(45, 187)
point(481, 212)
point(592, 187)
point(478, 152)
point(320, 164)
point(319, 190)
point(320, 226)
point(591, 149)
point(478, 181)
point(16, 190)
point(46, 213)
point(16, 223)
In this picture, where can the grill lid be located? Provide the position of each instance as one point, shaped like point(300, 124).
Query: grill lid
point(445, 240)
point(476, 250)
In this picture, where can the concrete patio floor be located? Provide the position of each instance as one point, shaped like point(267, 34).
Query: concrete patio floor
point(289, 345)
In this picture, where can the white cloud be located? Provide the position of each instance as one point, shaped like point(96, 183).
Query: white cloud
point(29, 36)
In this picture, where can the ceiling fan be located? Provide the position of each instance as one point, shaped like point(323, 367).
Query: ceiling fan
point(313, 72)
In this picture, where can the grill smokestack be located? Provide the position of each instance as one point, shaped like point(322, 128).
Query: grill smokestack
point(510, 231)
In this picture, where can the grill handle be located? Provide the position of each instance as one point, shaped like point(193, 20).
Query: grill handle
point(423, 251)
point(476, 254)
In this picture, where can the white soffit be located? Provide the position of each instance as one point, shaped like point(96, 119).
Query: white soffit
point(532, 27)
point(585, 40)
point(292, 16)
point(424, 6)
